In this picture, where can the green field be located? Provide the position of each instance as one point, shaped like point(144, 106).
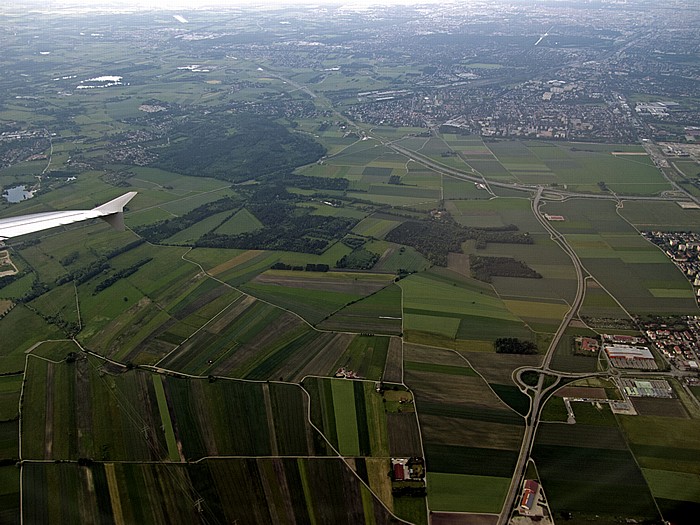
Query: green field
point(464, 493)
point(377, 313)
point(431, 306)
point(351, 414)
point(583, 466)
point(621, 260)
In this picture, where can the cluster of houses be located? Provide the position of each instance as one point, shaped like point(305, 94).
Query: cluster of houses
point(683, 248)
point(679, 342)
point(343, 372)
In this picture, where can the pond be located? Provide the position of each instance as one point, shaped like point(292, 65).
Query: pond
point(17, 194)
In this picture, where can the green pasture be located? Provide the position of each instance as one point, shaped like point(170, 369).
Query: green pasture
point(375, 227)
point(577, 167)
point(24, 328)
point(663, 216)
point(394, 257)
point(378, 313)
point(634, 271)
point(167, 426)
point(9, 494)
point(455, 308)
point(248, 269)
point(497, 212)
point(593, 481)
point(665, 443)
point(466, 493)
point(312, 305)
point(679, 486)
point(346, 417)
point(10, 387)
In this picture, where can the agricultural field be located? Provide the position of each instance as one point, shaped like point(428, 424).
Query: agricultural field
point(284, 489)
point(663, 216)
point(580, 167)
point(351, 415)
point(379, 313)
point(635, 272)
point(315, 296)
point(567, 359)
point(470, 436)
point(667, 449)
point(73, 409)
point(587, 469)
point(226, 360)
point(446, 317)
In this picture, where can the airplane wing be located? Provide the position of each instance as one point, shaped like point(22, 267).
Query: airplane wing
point(111, 212)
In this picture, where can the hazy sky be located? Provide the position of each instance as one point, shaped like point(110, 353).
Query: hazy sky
point(194, 4)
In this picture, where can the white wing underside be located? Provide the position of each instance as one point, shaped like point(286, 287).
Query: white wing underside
point(112, 212)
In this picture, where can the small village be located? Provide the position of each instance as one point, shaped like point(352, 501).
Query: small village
point(683, 248)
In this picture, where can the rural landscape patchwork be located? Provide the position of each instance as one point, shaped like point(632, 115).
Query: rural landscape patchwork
point(431, 264)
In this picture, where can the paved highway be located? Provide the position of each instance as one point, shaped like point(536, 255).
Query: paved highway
point(534, 414)
point(551, 192)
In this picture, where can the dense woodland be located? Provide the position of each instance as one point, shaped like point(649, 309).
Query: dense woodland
point(236, 148)
point(485, 268)
point(513, 345)
point(435, 239)
point(160, 231)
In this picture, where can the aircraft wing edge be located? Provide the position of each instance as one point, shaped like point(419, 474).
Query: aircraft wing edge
point(112, 212)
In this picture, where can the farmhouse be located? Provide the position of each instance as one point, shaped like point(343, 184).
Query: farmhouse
point(588, 344)
point(554, 217)
point(400, 469)
point(529, 495)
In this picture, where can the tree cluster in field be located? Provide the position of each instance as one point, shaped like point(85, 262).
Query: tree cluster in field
point(69, 327)
point(300, 268)
point(296, 233)
point(353, 242)
point(359, 259)
point(87, 272)
point(120, 274)
point(513, 345)
point(123, 249)
point(7, 280)
point(84, 273)
point(286, 226)
point(435, 239)
point(431, 238)
point(38, 288)
point(236, 148)
point(485, 268)
point(313, 183)
point(417, 491)
point(160, 231)
point(69, 259)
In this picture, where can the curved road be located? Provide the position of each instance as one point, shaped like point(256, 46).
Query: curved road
point(533, 416)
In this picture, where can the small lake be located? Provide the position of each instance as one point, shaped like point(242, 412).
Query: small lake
point(17, 194)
